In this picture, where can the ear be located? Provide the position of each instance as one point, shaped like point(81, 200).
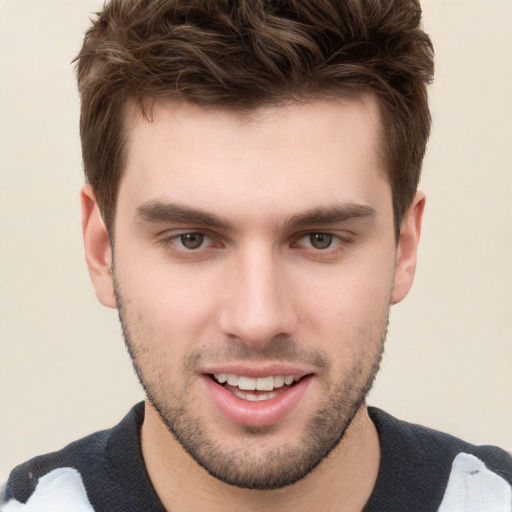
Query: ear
point(98, 252)
point(407, 250)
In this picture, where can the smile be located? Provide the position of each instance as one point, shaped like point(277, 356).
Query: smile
point(255, 389)
point(257, 400)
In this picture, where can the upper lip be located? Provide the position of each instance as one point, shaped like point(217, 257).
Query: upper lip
point(256, 370)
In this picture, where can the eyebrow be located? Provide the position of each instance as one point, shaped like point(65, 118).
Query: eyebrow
point(164, 212)
point(167, 212)
point(332, 214)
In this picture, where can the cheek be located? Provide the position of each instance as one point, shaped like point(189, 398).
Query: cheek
point(348, 317)
point(169, 303)
point(346, 298)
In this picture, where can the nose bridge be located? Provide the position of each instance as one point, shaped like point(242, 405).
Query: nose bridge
point(258, 304)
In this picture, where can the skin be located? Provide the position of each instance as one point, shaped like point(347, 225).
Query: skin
point(256, 292)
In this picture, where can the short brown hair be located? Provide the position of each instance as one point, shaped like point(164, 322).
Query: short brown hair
point(245, 54)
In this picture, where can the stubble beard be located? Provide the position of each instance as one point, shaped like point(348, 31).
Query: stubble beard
point(280, 464)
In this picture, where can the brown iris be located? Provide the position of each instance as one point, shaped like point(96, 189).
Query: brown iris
point(192, 240)
point(320, 240)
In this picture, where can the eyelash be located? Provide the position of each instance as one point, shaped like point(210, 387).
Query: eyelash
point(334, 240)
point(167, 241)
point(338, 243)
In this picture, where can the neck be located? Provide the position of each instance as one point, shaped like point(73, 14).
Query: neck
point(342, 482)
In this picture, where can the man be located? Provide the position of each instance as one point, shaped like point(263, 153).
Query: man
point(251, 211)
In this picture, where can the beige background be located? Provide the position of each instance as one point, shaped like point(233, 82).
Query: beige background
point(63, 367)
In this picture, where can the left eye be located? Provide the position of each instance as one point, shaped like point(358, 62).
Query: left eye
point(192, 240)
point(318, 241)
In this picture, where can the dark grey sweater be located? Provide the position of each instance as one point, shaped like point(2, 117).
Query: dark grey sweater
point(416, 465)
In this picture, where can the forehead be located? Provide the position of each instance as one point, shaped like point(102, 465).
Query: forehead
point(288, 157)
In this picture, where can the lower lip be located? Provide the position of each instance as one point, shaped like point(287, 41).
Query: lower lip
point(256, 414)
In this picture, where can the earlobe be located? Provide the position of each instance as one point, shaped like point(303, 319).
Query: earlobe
point(98, 252)
point(407, 250)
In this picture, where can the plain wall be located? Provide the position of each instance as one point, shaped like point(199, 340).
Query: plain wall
point(64, 371)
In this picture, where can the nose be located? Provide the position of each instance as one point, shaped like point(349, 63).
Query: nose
point(258, 301)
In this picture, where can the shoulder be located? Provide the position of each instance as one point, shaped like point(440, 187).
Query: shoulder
point(445, 471)
point(104, 471)
point(434, 446)
point(71, 465)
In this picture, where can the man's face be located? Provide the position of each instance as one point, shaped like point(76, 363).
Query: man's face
point(254, 269)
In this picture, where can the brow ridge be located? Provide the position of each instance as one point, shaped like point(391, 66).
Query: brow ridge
point(168, 212)
point(332, 214)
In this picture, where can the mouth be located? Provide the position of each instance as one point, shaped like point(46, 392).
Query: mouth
point(257, 400)
point(255, 389)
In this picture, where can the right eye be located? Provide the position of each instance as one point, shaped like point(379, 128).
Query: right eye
point(190, 245)
point(191, 241)
point(320, 241)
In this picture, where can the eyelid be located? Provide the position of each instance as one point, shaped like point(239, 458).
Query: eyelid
point(338, 239)
point(169, 237)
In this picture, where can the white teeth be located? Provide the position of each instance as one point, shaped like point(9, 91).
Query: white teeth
point(255, 384)
point(279, 381)
point(251, 397)
point(265, 384)
point(266, 396)
point(246, 383)
point(232, 380)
